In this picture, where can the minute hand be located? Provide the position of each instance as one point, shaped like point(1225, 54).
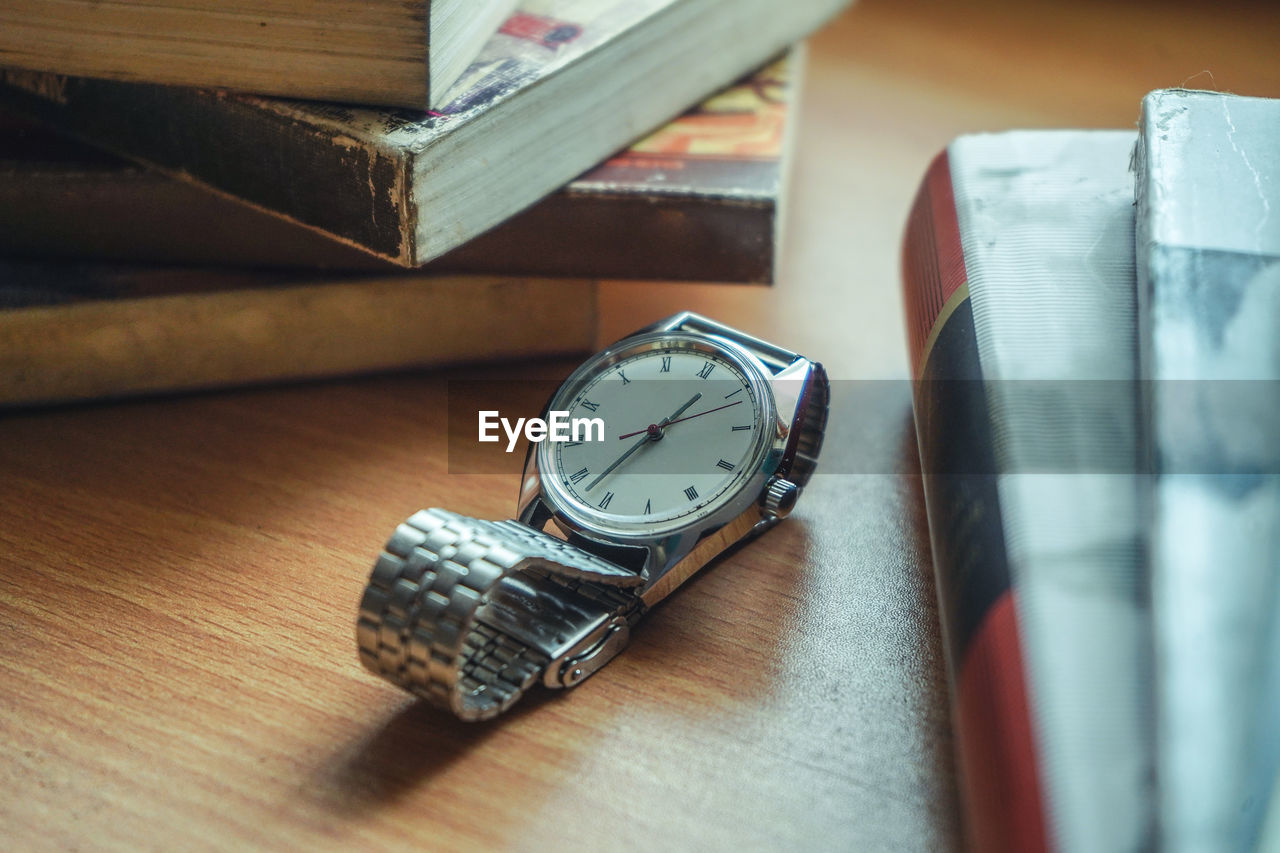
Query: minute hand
point(687, 418)
point(641, 443)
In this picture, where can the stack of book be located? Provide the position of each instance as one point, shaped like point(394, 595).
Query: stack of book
point(174, 215)
point(1094, 320)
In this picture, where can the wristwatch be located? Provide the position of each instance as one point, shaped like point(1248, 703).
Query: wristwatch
point(688, 437)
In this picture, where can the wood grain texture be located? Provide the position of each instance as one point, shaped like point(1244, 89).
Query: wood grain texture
point(177, 602)
point(179, 577)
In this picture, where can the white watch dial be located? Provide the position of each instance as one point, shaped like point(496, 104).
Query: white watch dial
point(682, 427)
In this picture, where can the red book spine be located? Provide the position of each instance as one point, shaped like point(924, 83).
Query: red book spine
point(1000, 782)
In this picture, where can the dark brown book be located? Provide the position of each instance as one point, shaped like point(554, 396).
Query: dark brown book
point(562, 86)
point(699, 200)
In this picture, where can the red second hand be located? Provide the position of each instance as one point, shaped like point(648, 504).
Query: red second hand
point(678, 420)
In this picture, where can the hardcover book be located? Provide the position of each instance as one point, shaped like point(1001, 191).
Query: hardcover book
point(1022, 320)
point(698, 200)
point(368, 52)
point(71, 332)
point(1208, 237)
point(564, 84)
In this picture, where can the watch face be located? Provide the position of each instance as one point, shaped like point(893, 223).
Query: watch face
point(687, 423)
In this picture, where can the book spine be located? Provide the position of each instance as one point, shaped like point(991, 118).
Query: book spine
point(1000, 781)
point(119, 343)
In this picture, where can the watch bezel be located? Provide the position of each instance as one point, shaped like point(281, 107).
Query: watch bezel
point(572, 517)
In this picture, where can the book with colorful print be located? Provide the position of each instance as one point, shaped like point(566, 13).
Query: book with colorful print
point(700, 199)
point(562, 86)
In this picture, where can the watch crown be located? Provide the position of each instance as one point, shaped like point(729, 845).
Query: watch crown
point(780, 497)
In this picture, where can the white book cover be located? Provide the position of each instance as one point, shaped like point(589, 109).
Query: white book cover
point(1208, 254)
point(1046, 223)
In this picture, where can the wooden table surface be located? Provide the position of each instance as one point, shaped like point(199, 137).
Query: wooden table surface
point(179, 577)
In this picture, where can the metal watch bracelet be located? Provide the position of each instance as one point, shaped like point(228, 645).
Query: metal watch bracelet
point(468, 614)
point(773, 357)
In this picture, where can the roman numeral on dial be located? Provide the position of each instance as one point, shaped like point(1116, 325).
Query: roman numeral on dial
point(691, 493)
point(726, 465)
point(578, 476)
point(604, 501)
point(707, 367)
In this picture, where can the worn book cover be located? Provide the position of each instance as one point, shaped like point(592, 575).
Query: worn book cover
point(1208, 242)
point(563, 85)
point(698, 200)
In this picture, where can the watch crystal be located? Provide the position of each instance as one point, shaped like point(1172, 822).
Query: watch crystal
point(682, 426)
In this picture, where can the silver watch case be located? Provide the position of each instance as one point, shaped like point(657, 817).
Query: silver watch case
point(795, 393)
